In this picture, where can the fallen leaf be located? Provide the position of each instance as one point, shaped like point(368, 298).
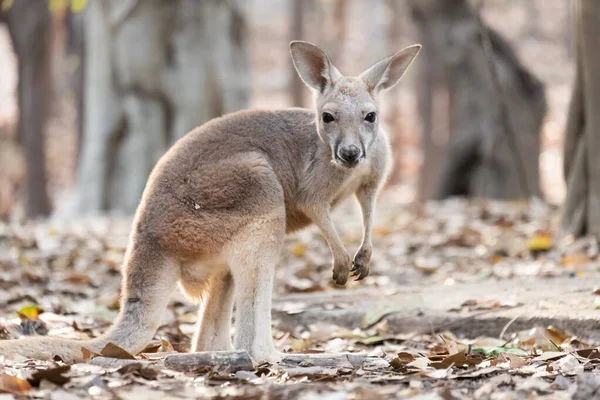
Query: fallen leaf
point(542, 241)
point(14, 385)
point(591, 354)
point(299, 250)
point(567, 365)
point(420, 363)
point(371, 340)
point(459, 360)
point(550, 355)
point(81, 279)
point(480, 372)
point(555, 335)
point(88, 354)
point(381, 231)
point(113, 351)
point(401, 360)
point(166, 346)
point(54, 375)
point(32, 312)
point(495, 351)
point(576, 259)
point(515, 361)
point(301, 345)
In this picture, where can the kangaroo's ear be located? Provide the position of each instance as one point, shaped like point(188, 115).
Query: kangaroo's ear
point(313, 65)
point(386, 73)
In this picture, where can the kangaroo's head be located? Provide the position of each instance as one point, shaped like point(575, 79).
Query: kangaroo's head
point(348, 106)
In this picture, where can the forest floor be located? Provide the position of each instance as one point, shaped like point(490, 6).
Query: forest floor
point(465, 300)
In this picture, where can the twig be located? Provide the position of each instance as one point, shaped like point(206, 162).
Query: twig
point(501, 100)
point(509, 323)
point(555, 345)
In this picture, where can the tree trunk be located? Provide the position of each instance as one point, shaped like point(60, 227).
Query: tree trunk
point(296, 33)
point(30, 26)
point(394, 98)
point(569, 29)
point(154, 70)
point(581, 213)
point(432, 89)
point(76, 51)
point(480, 160)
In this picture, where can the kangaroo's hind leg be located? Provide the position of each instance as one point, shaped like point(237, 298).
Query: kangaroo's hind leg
point(149, 279)
point(253, 254)
point(213, 330)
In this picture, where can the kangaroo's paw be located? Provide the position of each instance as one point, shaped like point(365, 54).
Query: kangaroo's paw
point(360, 266)
point(341, 269)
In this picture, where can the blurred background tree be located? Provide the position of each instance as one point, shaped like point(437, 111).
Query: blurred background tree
point(154, 70)
point(581, 214)
point(31, 29)
point(493, 105)
point(116, 82)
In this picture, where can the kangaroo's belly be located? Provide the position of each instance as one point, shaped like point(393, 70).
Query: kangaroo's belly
point(295, 220)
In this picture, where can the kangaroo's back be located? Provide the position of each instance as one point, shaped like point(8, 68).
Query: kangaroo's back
point(284, 136)
point(190, 178)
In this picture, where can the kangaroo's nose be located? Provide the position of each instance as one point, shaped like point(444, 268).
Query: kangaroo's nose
point(349, 154)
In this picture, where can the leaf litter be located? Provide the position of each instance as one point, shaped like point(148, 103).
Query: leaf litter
point(64, 280)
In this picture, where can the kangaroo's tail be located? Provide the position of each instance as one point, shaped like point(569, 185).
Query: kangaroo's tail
point(47, 348)
point(149, 279)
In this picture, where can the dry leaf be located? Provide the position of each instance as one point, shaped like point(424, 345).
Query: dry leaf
point(420, 363)
point(542, 241)
point(88, 354)
point(555, 335)
point(591, 354)
point(299, 250)
point(31, 312)
point(301, 345)
point(14, 385)
point(381, 231)
point(113, 351)
point(460, 360)
point(401, 360)
point(550, 355)
point(515, 361)
point(81, 279)
point(54, 375)
point(576, 259)
point(166, 346)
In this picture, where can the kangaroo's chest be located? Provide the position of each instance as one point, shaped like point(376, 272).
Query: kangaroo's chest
point(336, 190)
point(347, 189)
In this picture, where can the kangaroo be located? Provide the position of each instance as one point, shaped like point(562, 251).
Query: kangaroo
point(218, 204)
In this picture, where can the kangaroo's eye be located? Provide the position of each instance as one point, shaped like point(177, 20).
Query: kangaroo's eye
point(327, 118)
point(370, 117)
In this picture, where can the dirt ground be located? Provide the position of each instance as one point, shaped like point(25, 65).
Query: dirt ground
point(465, 300)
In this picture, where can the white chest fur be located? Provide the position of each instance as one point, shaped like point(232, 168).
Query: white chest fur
point(351, 184)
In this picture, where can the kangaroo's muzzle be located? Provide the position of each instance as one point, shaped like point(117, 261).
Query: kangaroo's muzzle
point(349, 156)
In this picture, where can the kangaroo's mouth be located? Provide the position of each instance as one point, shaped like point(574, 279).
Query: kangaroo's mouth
point(347, 163)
